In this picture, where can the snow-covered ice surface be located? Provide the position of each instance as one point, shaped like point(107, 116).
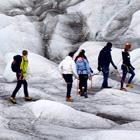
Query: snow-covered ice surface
point(52, 118)
point(108, 114)
point(105, 114)
point(17, 33)
point(52, 28)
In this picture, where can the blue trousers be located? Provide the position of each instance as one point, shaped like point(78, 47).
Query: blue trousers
point(105, 71)
point(125, 71)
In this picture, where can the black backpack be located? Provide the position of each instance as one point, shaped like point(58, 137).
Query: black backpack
point(15, 66)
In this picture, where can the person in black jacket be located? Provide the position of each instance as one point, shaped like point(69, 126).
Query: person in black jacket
point(104, 60)
point(127, 67)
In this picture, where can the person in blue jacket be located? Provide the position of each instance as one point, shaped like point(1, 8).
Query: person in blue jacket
point(104, 60)
point(84, 72)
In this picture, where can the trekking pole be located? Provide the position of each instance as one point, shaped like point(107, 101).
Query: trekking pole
point(77, 87)
point(91, 82)
point(91, 79)
point(119, 75)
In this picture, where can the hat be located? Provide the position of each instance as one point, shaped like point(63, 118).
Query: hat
point(71, 54)
point(82, 51)
point(109, 44)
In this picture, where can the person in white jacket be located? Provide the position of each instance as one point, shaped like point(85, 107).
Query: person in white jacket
point(67, 68)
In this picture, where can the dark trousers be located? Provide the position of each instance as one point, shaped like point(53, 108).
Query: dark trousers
point(18, 86)
point(105, 71)
point(69, 80)
point(125, 71)
point(83, 82)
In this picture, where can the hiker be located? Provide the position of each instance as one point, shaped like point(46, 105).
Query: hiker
point(127, 67)
point(83, 51)
point(84, 72)
point(104, 60)
point(67, 68)
point(21, 76)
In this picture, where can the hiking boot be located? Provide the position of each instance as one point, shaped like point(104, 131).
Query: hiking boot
point(123, 89)
point(129, 86)
point(28, 98)
point(85, 94)
point(106, 87)
point(13, 100)
point(82, 91)
point(69, 99)
point(82, 94)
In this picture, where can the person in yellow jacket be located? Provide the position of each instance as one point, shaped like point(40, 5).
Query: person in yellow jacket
point(21, 78)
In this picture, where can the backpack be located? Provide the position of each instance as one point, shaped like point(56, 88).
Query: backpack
point(15, 66)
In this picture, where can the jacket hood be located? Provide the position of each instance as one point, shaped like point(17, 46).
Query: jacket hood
point(107, 48)
point(68, 58)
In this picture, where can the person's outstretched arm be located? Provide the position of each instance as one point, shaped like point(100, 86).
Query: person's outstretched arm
point(115, 67)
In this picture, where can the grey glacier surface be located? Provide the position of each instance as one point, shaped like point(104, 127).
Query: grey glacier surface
point(49, 29)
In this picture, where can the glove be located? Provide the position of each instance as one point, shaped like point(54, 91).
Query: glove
point(115, 67)
point(99, 68)
point(90, 77)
